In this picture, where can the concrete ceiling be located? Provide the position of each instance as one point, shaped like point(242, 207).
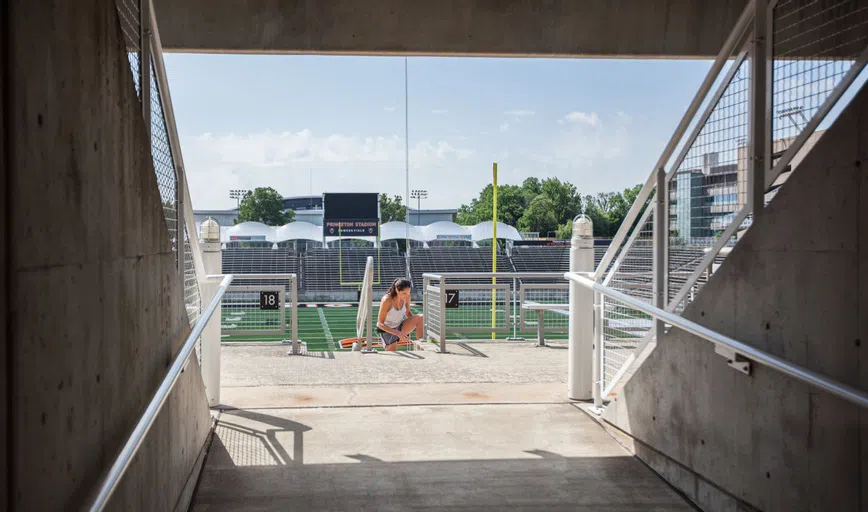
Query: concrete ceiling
point(548, 28)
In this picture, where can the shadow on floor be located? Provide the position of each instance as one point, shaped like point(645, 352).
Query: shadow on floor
point(254, 473)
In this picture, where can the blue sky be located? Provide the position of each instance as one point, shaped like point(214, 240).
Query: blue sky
point(265, 120)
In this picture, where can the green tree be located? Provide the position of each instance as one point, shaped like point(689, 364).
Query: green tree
point(392, 209)
point(539, 216)
point(510, 206)
point(264, 205)
point(567, 203)
point(565, 231)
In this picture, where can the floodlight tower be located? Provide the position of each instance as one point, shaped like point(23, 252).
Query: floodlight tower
point(419, 195)
point(238, 194)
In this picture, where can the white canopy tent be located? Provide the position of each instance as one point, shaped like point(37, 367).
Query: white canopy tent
point(485, 231)
point(299, 230)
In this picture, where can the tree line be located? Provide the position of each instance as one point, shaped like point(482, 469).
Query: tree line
point(548, 206)
point(545, 206)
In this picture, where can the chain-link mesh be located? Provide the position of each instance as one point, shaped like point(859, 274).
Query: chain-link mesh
point(633, 270)
point(623, 329)
point(709, 188)
point(192, 297)
point(164, 164)
point(814, 44)
point(128, 15)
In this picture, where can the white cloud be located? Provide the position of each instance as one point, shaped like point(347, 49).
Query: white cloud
point(389, 109)
point(581, 117)
point(519, 113)
point(439, 111)
point(297, 163)
point(504, 127)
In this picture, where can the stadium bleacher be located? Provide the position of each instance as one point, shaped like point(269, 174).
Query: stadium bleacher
point(323, 270)
point(454, 259)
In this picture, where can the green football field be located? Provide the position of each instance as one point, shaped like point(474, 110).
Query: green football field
point(322, 327)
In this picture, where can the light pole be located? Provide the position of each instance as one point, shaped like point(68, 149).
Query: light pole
point(238, 194)
point(419, 195)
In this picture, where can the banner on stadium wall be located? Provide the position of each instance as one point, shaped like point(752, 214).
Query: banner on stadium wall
point(246, 238)
point(462, 238)
point(351, 214)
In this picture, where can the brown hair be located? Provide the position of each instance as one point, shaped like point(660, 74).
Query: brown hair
point(398, 284)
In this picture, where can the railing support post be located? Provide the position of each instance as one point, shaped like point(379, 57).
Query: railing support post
point(425, 282)
point(598, 351)
point(443, 315)
point(661, 247)
point(212, 259)
point(580, 380)
point(758, 110)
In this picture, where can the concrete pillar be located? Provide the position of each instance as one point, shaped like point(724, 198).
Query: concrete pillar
point(212, 259)
point(581, 341)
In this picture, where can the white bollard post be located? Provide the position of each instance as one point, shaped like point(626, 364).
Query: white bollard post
point(212, 259)
point(581, 342)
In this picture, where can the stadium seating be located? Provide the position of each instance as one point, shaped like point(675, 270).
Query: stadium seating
point(454, 259)
point(323, 270)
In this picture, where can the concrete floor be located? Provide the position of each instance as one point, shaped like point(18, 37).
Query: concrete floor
point(486, 427)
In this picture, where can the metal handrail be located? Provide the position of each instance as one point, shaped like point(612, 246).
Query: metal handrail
point(820, 381)
point(134, 441)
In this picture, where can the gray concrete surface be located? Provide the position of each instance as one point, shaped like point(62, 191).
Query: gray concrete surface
point(480, 457)
point(601, 28)
point(97, 310)
point(796, 286)
point(514, 362)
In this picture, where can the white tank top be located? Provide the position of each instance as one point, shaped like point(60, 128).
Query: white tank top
point(394, 317)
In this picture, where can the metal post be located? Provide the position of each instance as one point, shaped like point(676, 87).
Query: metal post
point(294, 315)
point(443, 315)
point(758, 111)
point(661, 240)
point(212, 259)
point(145, 62)
point(581, 343)
point(425, 283)
point(540, 328)
point(598, 350)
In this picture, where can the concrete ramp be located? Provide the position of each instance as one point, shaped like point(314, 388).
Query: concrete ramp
point(468, 457)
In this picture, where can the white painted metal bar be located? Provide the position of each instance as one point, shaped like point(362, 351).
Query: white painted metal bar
point(134, 441)
point(732, 40)
point(758, 111)
point(812, 378)
point(817, 118)
point(597, 372)
point(504, 275)
point(661, 245)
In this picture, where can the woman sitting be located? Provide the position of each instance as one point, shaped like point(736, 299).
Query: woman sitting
point(395, 321)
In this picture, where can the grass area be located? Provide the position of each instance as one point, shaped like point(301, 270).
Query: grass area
point(322, 328)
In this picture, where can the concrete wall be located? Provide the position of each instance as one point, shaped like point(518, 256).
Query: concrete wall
point(96, 310)
point(609, 28)
point(4, 291)
point(796, 285)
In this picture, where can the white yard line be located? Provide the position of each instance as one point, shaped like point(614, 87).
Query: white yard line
point(325, 328)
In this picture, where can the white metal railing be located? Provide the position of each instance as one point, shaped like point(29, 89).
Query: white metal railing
point(743, 129)
point(110, 481)
point(491, 303)
point(753, 354)
point(242, 314)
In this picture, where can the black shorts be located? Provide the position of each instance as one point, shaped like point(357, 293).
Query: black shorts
point(389, 338)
